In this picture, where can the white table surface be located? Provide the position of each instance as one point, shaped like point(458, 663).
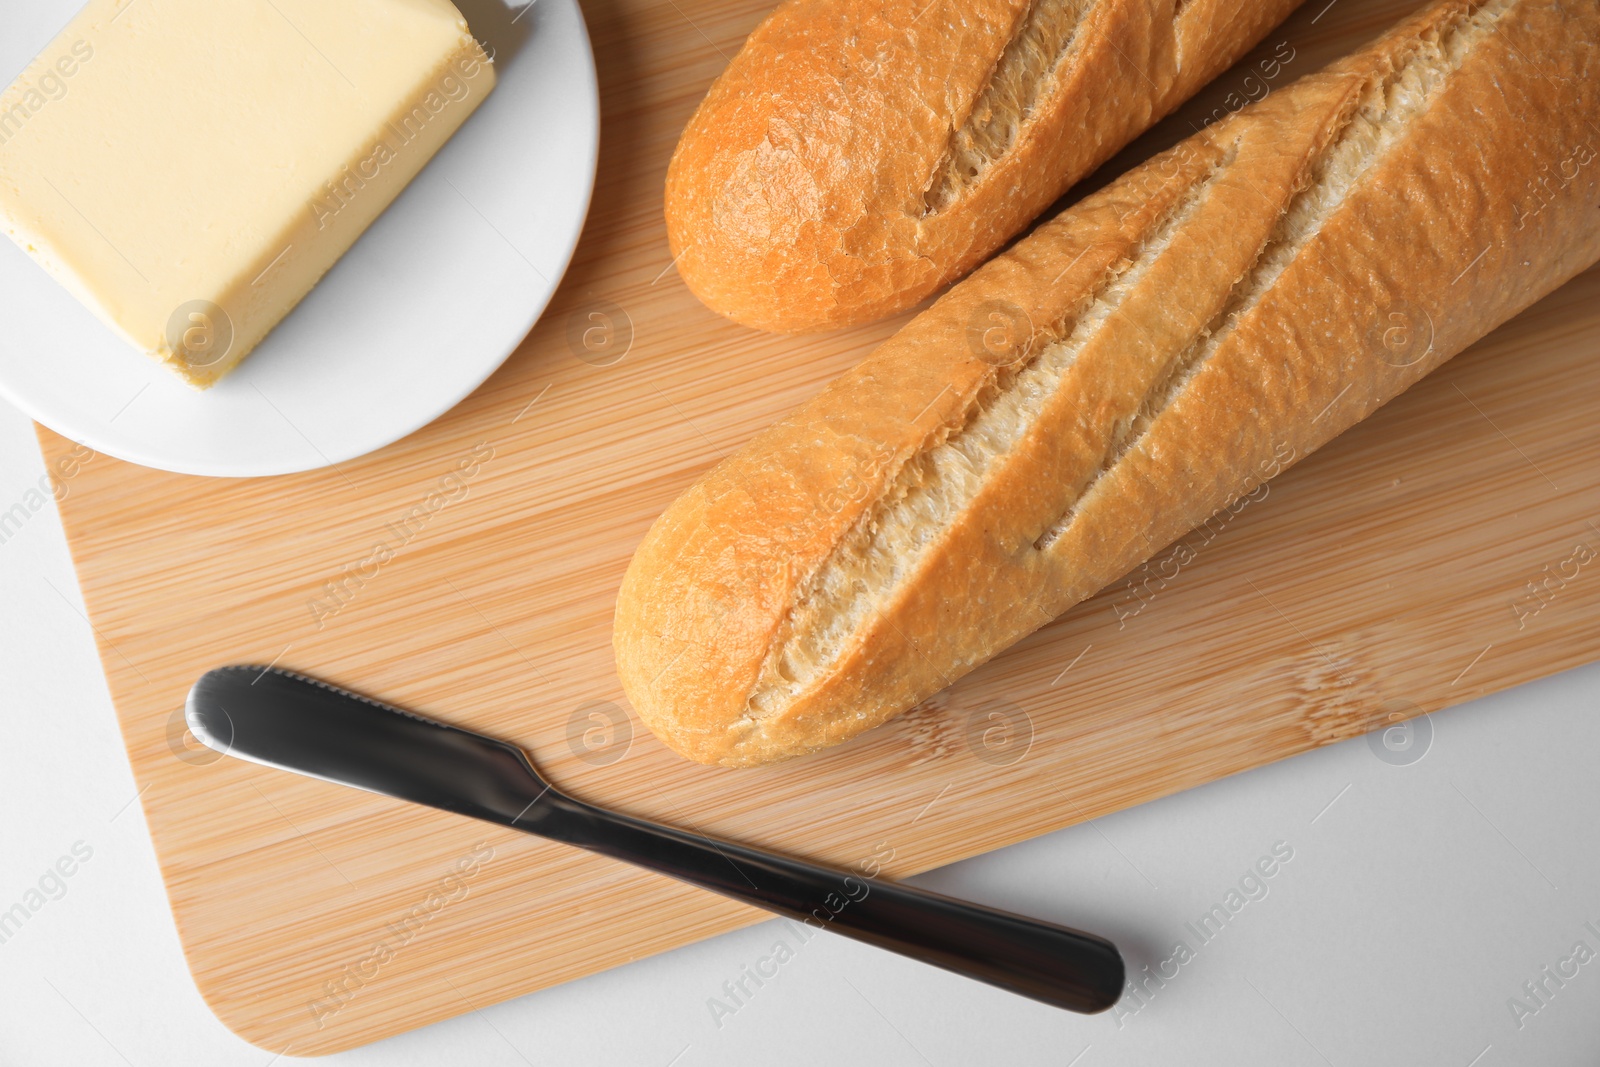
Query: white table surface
point(1420, 898)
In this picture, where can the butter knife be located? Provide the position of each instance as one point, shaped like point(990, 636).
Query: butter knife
point(295, 723)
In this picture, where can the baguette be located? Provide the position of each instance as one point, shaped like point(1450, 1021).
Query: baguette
point(1142, 360)
point(855, 158)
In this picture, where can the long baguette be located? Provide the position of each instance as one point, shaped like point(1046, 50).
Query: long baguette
point(855, 157)
point(1139, 362)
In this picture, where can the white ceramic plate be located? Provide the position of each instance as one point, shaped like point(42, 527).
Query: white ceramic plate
point(431, 300)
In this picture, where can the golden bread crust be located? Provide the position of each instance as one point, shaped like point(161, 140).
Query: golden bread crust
point(798, 197)
point(1183, 334)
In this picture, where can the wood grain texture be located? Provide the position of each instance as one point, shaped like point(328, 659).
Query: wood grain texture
point(1386, 576)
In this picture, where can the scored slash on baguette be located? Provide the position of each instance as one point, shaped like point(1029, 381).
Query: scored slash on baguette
point(855, 158)
point(1137, 363)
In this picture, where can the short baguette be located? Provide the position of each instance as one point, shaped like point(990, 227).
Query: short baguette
point(1137, 363)
point(856, 157)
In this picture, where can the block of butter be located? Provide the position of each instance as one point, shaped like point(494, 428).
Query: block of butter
point(190, 169)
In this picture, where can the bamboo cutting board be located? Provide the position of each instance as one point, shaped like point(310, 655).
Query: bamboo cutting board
point(468, 572)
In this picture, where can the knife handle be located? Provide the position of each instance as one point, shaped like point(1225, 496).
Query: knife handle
point(1053, 964)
